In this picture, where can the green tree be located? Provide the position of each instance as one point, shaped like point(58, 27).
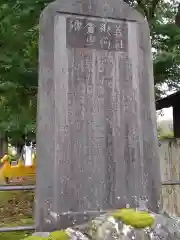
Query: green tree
point(165, 42)
point(18, 68)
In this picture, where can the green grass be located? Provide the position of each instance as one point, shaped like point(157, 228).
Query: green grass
point(14, 235)
point(16, 209)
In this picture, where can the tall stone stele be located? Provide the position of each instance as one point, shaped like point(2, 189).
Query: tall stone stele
point(96, 135)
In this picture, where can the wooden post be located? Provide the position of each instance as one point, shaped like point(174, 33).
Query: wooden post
point(176, 120)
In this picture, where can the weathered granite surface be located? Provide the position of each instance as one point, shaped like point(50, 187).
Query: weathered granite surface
point(109, 228)
point(96, 134)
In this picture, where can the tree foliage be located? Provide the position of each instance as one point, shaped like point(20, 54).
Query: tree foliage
point(165, 42)
point(18, 67)
point(18, 57)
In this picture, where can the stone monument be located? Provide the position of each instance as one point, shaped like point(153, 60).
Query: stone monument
point(96, 135)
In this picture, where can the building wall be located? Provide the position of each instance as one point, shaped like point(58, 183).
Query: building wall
point(169, 150)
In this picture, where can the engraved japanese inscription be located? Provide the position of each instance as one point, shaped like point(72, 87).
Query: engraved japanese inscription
point(96, 34)
point(104, 105)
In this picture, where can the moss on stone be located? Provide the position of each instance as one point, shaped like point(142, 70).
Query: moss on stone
point(136, 219)
point(33, 238)
point(59, 235)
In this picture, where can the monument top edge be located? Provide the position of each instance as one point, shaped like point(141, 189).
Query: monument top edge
point(115, 9)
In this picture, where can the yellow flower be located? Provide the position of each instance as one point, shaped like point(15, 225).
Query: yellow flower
point(136, 219)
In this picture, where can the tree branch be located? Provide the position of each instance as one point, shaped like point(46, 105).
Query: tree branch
point(152, 9)
point(177, 18)
point(141, 5)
